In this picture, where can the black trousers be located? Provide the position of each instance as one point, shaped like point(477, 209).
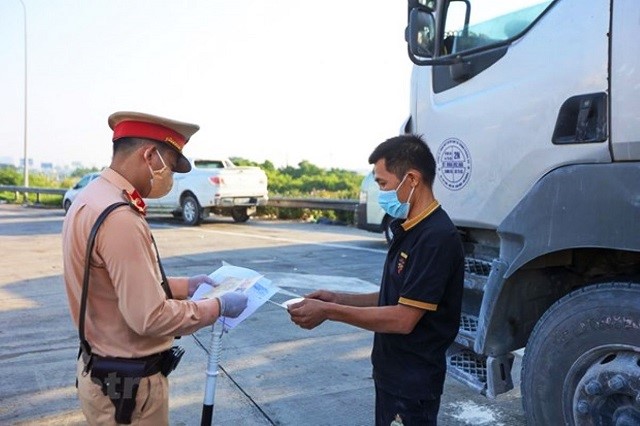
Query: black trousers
point(406, 412)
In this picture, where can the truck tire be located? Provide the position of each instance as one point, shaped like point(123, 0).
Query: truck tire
point(582, 363)
point(191, 211)
point(239, 214)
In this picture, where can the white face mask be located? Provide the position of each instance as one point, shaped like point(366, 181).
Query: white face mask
point(161, 180)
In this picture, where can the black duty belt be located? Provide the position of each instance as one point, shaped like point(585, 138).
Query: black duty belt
point(152, 364)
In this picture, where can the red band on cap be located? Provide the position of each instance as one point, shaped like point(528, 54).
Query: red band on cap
point(139, 129)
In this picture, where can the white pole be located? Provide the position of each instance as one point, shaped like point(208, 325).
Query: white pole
point(215, 350)
point(26, 159)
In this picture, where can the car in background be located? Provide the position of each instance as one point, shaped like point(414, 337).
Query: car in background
point(214, 185)
point(71, 193)
point(369, 214)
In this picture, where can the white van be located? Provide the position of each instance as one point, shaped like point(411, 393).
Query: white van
point(369, 214)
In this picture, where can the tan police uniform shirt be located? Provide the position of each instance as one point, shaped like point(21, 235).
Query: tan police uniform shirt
point(128, 314)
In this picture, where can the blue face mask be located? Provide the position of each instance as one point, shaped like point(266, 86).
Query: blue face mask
point(389, 202)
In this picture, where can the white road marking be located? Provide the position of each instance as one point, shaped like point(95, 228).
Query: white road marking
point(304, 282)
point(308, 283)
point(268, 237)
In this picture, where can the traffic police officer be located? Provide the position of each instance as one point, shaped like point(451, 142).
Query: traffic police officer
point(131, 319)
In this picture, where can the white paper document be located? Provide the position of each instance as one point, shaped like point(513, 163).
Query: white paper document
point(234, 278)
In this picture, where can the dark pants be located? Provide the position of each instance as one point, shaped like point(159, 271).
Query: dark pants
point(406, 412)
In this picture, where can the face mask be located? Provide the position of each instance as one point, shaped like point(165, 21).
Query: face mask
point(161, 180)
point(389, 202)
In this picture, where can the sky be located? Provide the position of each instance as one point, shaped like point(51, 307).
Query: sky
point(279, 80)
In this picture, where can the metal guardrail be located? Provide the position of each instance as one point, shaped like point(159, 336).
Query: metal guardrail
point(29, 190)
point(289, 202)
point(313, 203)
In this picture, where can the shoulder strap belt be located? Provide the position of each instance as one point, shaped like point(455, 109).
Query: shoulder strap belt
point(84, 344)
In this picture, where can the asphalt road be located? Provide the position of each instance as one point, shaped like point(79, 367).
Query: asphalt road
point(272, 372)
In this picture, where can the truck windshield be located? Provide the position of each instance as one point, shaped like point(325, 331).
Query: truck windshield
point(471, 24)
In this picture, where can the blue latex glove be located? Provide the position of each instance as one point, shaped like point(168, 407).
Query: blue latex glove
point(196, 280)
point(232, 304)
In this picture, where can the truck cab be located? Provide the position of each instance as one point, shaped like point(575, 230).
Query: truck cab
point(531, 110)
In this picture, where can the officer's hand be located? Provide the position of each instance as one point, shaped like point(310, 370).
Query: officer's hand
point(196, 280)
point(232, 304)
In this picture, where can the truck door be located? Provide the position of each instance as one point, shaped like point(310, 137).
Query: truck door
point(625, 72)
point(491, 116)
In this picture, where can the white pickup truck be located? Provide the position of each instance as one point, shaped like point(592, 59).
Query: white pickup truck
point(213, 186)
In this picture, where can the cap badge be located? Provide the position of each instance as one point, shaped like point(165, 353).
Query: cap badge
point(172, 141)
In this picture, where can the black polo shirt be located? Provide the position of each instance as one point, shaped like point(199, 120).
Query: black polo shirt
point(425, 269)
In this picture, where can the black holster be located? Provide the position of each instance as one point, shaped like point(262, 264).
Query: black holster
point(119, 378)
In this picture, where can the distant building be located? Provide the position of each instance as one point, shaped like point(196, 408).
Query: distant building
point(7, 162)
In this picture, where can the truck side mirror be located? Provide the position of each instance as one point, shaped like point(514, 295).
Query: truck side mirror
point(421, 33)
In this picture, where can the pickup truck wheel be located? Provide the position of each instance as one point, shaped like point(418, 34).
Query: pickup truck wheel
point(582, 362)
point(67, 205)
point(239, 214)
point(191, 211)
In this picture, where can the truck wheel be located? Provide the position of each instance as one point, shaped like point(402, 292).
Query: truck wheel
point(67, 205)
point(239, 214)
point(191, 211)
point(386, 229)
point(582, 362)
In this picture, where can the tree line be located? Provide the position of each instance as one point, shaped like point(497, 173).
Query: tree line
point(304, 180)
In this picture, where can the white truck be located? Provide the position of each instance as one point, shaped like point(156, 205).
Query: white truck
point(213, 186)
point(532, 111)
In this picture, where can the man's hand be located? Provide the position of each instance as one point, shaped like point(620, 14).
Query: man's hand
point(232, 304)
point(309, 313)
point(195, 281)
point(324, 295)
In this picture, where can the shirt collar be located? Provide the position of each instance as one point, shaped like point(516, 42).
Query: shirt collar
point(410, 223)
point(129, 193)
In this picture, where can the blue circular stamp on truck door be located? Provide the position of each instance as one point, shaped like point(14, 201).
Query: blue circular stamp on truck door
point(454, 164)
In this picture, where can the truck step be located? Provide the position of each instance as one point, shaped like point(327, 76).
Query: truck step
point(467, 331)
point(477, 266)
point(488, 375)
point(476, 274)
point(467, 367)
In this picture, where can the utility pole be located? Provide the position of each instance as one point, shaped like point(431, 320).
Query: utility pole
point(26, 155)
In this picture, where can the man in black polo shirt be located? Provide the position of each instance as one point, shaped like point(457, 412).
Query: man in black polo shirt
point(416, 313)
